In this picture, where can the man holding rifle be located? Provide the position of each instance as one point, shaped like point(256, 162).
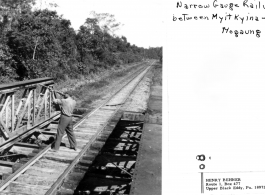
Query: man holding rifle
point(67, 105)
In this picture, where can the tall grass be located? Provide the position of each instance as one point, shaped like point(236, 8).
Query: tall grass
point(88, 90)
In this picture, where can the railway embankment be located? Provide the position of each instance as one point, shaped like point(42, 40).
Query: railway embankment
point(148, 167)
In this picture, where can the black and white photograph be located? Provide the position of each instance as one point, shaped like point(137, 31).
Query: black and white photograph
point(81, 97)
point(215, 129)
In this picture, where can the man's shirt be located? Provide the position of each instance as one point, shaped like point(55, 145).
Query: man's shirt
point(67, 105)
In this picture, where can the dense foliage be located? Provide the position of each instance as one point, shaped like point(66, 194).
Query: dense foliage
point(41, 43)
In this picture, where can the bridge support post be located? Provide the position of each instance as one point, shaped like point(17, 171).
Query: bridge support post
point(23, 105)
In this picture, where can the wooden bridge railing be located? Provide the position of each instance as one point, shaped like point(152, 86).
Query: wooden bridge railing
point(23, 105)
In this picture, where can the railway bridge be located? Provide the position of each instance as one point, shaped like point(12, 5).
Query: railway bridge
point(113, 140)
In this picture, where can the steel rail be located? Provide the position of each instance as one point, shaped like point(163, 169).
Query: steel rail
point(24, 83)
point(12, 87)
point(23, 168)
point(57, 184)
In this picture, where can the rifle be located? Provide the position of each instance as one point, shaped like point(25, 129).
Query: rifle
point(52, 89)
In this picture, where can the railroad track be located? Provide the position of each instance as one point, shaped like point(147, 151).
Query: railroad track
point(42, 171)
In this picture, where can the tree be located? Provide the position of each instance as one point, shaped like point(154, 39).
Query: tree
point(10, 11)
point(106, 22)
point(40, 41)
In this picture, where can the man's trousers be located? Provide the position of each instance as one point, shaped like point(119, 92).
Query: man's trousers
point(65, 124)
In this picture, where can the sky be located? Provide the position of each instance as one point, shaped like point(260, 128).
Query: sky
point(142, 20)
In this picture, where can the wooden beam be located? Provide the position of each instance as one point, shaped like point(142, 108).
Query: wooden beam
point(47, 132)
point(26, 145)
point(6, 163)
point(77, 115)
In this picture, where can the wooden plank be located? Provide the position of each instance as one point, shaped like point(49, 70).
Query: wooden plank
point(33, 171)
point(20, 144)
point(97, 185)
point(51, 132)
point(127, 140)
point(99, 117)
point(76, 176)
point(131, 116)
point(21, 150)
point(103, 176)
point(47, 161)
point(12, 193)
point(92, 123)
point(132, 157)
point(49, 171)
point(80, 169)
point(52, 126)
point(86, 133)
point(5, 170)
point(83, 136)
point(122, 145)
point(108, 108)
point(36, 180)
point(64, 191)
point(90, 157)
point(59, 158)
point(85, 129)
point(26, 188)
point(68, 150)
point(6, 163)
point(47, 164)
point(86, 163)
point(78, 141)
point(44, 138)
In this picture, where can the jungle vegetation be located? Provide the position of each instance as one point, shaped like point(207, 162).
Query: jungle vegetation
point(40, 43)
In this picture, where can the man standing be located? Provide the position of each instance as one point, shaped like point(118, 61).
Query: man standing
point(67, 106)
